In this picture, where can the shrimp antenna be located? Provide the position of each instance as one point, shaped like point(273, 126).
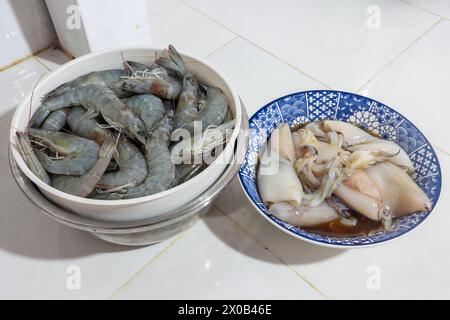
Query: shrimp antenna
point(32, 96)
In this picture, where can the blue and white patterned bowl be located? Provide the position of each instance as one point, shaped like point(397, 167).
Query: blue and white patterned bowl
point(304, 107)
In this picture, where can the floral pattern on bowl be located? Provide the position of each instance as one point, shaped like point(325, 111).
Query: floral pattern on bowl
point(303, 107)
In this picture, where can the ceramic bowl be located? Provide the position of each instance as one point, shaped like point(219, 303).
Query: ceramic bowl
point(303, 107)
point(139, 232)
point(132, 209)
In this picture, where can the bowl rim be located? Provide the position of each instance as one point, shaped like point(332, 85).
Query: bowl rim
point(125, 202)
point(327, 244)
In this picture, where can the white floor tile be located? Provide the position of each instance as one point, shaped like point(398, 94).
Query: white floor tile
point(439, 7)
point(216, 260)
point(18, 81)
point(412, 267)
point(172, 22)
point(417, 84)
point(259, 77)
point(52, 58)
point(328, 40)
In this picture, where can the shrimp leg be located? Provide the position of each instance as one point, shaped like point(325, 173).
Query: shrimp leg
point(187, 106)
point(84, 185)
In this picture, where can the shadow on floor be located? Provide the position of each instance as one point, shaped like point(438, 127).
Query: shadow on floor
point(286, 248)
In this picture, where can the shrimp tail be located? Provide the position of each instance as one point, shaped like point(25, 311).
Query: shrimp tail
point(171, 65)
point(176, 58)
point(30, 158)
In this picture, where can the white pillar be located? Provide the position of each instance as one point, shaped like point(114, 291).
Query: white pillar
point(85, 26)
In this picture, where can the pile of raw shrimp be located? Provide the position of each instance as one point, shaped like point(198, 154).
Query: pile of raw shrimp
point(108, 134)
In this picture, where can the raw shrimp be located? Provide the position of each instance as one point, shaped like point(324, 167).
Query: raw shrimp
point(56, 120)
point(97, 99)
point(79, 154)
point(103, 78)
point(214, 108)
point(164, 88)
point(213, 112)
point(84, 185)
point(149, 108)
point(157, 80)
point(30, 158)
point(132, 168)
point(187, 103)
point(86, 128)
point(161, 169)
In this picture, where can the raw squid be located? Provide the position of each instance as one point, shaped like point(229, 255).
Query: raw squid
point(277, 179)
point(283, 185)
point(304, 216)
point(325, 151)
point(360, 193)
point(399, 156)
point(304, 137)
point(305, 174)
point(282, 143)
point(400, 194)
point(352, 134)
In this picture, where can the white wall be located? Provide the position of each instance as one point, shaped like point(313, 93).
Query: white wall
point(25, 28)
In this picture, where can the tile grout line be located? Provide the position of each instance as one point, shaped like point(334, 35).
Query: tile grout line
point(286, 63)
point(389, 63)
point(222, 46)
point(147, 264)
point(254, 44)
point(423, 9)
point(298, 274)
point(41, 63)
point(25, 58)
